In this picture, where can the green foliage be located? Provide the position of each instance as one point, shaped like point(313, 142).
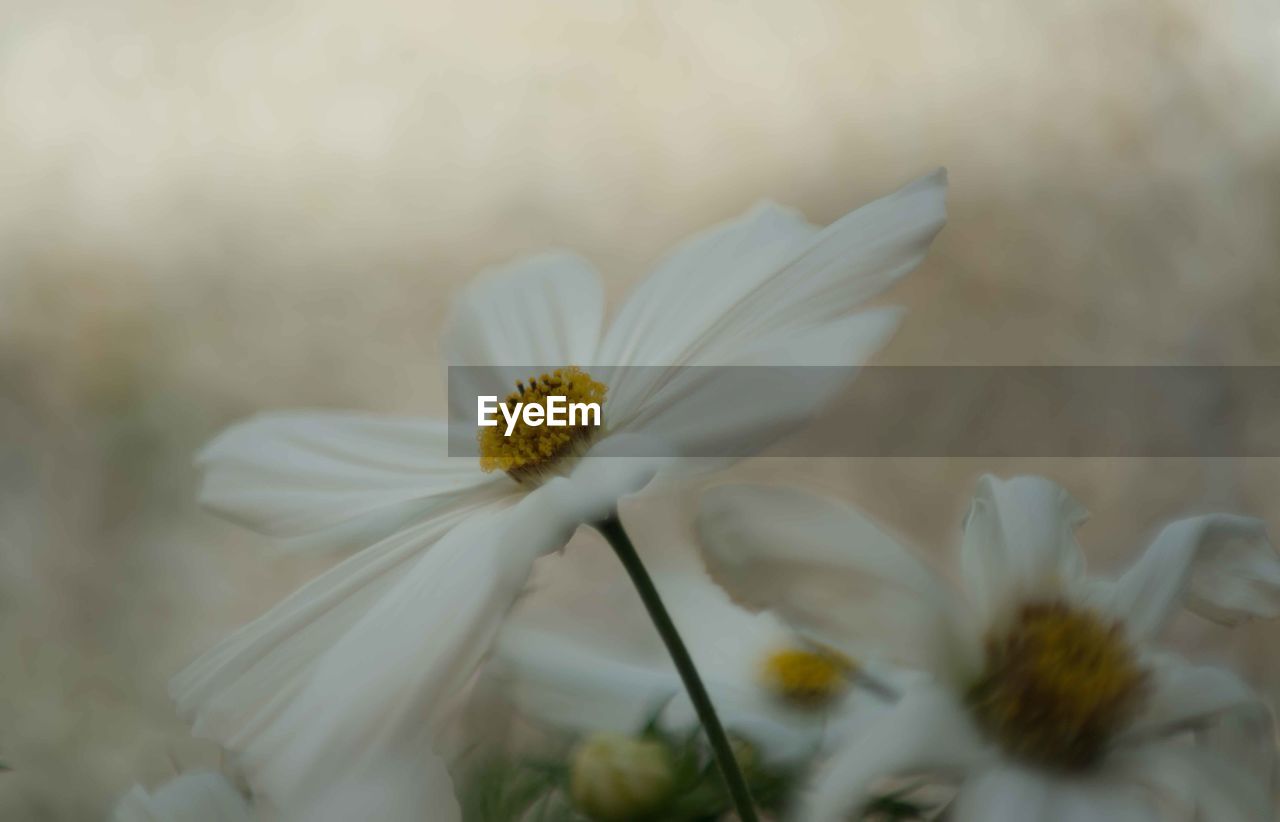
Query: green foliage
point(502, 791)
point(530, 790)
point(533, 791)
point(897, 807)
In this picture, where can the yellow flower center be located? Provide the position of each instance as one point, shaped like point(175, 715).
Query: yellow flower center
point(532, 450)
point(1058, 684)
point(807, 678)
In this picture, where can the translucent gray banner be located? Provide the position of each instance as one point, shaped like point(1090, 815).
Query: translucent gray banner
point(920, 411)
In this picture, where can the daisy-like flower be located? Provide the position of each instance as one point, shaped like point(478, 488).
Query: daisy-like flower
point(1045, 698)
point(784, 695)
point(382, 644)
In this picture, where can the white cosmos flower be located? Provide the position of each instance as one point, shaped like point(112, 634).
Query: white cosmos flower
point(198, 796)
point(786, 696)
point(1046, 699)
point(380, 644)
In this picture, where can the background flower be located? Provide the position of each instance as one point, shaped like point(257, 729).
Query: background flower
point(1043, 682)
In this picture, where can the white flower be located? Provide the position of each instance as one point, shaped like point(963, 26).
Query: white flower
point(1045, 698)
point(198, 796)
point(785, 696)
point(382, 643)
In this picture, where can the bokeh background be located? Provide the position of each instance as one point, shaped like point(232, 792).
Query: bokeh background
point(209, 209)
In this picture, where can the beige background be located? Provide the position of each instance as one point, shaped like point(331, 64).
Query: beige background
point(214, 208)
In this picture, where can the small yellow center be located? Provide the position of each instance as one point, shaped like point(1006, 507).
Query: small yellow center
point(807, 678)
point(531, 450)
point(1058, 684)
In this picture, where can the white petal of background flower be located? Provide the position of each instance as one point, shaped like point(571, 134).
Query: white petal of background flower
point(399, 787)
point(573, 686)
point(1019, 550)
point(928, 731)
point(1019, 542)
point(1201, 784)
point(1221, 566)
point(1186, 696)
point(831, 572)
point(197, 796)
point(1010, 793)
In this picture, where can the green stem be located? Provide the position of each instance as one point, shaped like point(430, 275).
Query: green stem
point(612, 530)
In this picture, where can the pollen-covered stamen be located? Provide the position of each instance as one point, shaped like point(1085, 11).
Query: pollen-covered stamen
point(1059, 683)
point(807, 678)
point(531, 450)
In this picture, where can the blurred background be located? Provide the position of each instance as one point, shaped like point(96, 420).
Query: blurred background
point(210, 209)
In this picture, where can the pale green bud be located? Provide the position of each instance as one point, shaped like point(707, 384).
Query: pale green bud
point(614, 777)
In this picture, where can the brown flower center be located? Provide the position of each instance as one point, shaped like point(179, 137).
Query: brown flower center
point(1059, 683)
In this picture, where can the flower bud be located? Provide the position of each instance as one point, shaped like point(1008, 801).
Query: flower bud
point(617, 777)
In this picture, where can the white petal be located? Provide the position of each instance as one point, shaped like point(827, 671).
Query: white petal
point(570, 685)
point(927, 731)
point(669, 314)
point(231, 691)
point(287, 474)
point(730, 646)
point(1190, 697)
point(831, 573)
point(401, 667)
point(1202, 785)
point(615, 467)
point(768, 273)
point(598, 680)
point(394, 788)
point(1019, 541)
point(1219, 565)
point(546, 310)
point(1011, 794)
point(199, 796)
point(737, 411)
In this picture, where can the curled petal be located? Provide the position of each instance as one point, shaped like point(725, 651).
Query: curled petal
point(1221, 566)
point(1019, 540)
